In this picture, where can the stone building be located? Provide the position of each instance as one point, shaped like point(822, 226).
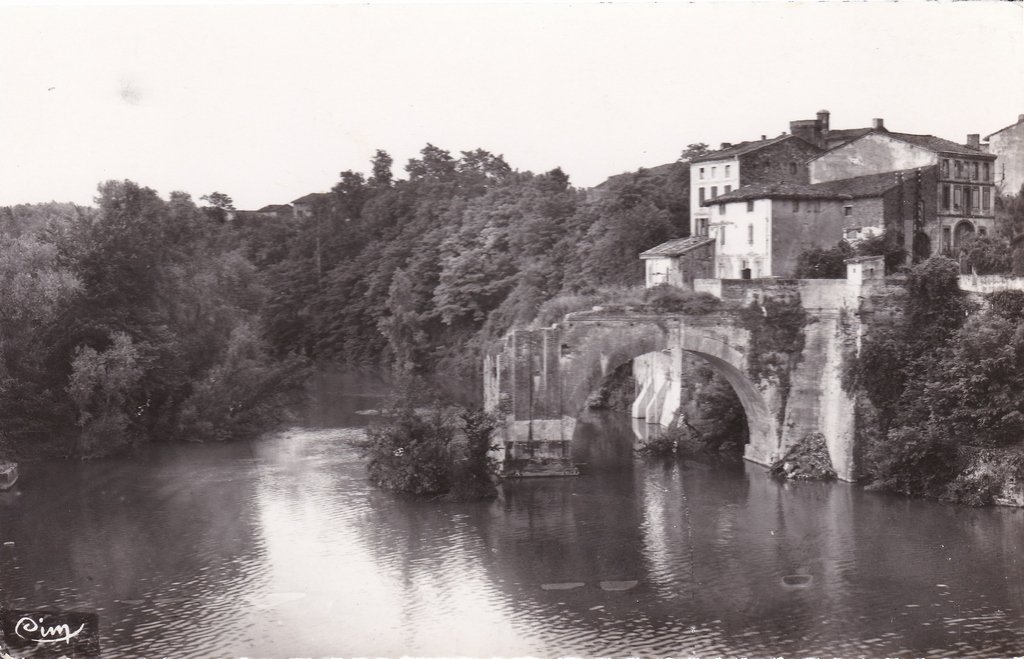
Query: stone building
point(759, 230)
point(1008, 145)
point(780, 159)
point(964, 184)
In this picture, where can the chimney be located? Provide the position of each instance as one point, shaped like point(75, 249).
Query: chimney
point(1020, 118)
point(823, 121)
point(764, 137)
point(726, 145)
point(878, 124)
point(974, 140)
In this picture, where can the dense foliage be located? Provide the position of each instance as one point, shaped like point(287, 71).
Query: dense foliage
point(830, 263)
point(134, 321)
point(417, 273)
point(946, 376)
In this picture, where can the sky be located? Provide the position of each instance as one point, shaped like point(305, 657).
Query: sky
point(270, 102)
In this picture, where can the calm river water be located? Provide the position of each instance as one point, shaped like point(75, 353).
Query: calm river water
point(279, 547)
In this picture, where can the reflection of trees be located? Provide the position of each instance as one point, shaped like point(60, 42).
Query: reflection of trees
point(115, 535)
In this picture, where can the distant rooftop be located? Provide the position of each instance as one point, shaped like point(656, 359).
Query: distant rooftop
point(939, 144)
point(870, 185)
point(311, 198)
point(742, 148)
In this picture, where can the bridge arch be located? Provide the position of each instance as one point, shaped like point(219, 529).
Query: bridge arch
point(591, 352)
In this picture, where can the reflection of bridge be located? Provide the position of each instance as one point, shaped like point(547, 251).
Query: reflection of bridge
point(541, 378)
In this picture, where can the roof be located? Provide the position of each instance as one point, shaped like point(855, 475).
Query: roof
point(776, 191)
point(1019, 121)
point(939, 144)
point(275, 208)
point(870, 185)
point(676, 247)
point(849, 134)
point(311, 198)
point(743, 148)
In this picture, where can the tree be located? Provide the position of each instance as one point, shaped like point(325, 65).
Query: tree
point(694, 151)
point(219, 200)
point(382, 176)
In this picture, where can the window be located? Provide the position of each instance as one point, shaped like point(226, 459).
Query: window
point(702, 226)
point(975, 198)
point(945, 197)
point(701, 174)
point(727, 167)
point(956, 197)
point(700, 195)
point(943, 168)
point(974, 171)
point(750, 234)
point(714, 190)
point(817, 205)
point(847, 211)
point(713, 172)
point(986, 199)
point(721, 234)
point(721, 209)
point(727, 189)
point(982, 231)
point(967, 198)
point(958, 168)
point(796, 205)
point(947, 239)
point(987, 170)
point(792, 168)
point(750, 205)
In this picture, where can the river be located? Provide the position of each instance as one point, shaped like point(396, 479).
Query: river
point(280, 547)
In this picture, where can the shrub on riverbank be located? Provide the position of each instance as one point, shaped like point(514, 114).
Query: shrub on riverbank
point(439, 451)
point(807, 460)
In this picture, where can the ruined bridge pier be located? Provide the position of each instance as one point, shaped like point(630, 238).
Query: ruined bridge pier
point(540, 379)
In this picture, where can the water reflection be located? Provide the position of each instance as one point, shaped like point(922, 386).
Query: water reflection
point(281, 548)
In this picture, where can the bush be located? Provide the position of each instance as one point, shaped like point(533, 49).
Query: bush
point(433, 453)
point(245, 393)
point(820, 263)
point(665, 298)
point(987, 255)
point(411, 453)
point(807, 459)
point(912, 461)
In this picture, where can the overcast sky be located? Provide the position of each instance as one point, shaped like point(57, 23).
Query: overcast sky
point(267, 103)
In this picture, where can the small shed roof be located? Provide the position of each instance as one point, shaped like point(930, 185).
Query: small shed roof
point(676, 247)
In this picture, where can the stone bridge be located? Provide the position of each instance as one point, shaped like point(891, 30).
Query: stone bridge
point(541, 378)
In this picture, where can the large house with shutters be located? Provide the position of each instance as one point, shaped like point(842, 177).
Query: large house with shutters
point(964, 185)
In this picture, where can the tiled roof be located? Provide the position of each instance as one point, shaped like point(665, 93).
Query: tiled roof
point(1018, 122)
point(871, 185)
point(311, 198)
point(741, 149)
point(677, 247)
point(847, 134)
point(939, 145)
point(776, 191)
point(275, 208)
